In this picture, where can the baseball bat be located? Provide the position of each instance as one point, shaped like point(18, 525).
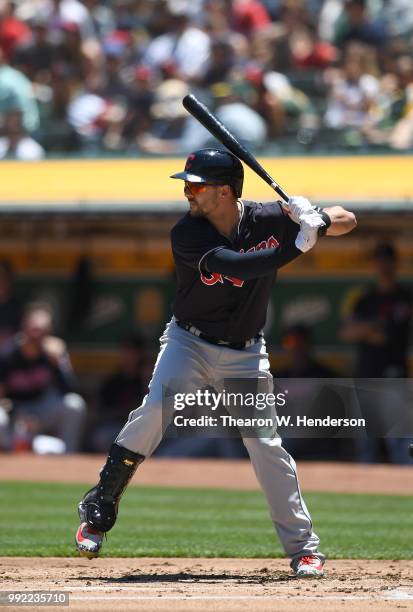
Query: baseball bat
point(221, 133)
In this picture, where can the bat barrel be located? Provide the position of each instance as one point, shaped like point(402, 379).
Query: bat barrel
point(221, 133)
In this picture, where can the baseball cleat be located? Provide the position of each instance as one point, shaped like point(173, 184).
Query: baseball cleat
point(88, 541)
point(309, 567)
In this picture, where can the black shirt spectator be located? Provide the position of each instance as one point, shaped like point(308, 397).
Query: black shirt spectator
point(301, 363)
point(297, 343)
point(391, 311)
point(36, 378)
point(380, 322)
point(357, 25)
point(26, 376)
point(380, 325)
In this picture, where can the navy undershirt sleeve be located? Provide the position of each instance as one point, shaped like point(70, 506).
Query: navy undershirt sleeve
point(246, 266)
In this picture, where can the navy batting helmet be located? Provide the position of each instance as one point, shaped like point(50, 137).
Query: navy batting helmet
point(214, 167)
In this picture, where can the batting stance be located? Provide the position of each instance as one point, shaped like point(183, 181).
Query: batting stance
point(227, 252)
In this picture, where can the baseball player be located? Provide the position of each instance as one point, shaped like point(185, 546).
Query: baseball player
point(227, 252)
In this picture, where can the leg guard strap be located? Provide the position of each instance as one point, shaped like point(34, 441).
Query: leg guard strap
point(99, 506)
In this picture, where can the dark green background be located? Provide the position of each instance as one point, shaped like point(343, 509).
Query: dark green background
point(297, 291)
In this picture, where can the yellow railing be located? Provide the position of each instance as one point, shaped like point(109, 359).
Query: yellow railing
point(322, 178)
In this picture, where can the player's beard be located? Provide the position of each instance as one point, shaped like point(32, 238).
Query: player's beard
point(195, 210)
point(202, 209)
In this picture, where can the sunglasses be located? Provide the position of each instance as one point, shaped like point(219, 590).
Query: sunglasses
point(195, 188)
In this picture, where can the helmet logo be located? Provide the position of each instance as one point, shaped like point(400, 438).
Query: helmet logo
point(188, 161)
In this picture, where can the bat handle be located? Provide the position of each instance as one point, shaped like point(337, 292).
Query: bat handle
point(281, 193)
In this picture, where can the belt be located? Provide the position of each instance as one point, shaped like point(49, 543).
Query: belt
point(233, 345)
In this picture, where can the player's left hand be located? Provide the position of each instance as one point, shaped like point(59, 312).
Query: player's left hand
point(308, 234)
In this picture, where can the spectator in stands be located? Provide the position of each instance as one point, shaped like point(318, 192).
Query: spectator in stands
point(98, 121)
point(221, 62)
point(301, 362)
point(35, 56)
point(379, 325)
point(397, 16)
point(352, 91)
point(182, 52)
point(16, 93)
point(15, 142)
point(356, 24)
point(13, 31)
point(217, 22)
point(249, 16)
point(115, 83)
point(401, 136)
point(69, 51)
point(10, 307)
point(62, 46)
point(234, 108)
point(247, 125)
point(80, 57)
point(293, 14)
point(330, 12)
point(169, 120)
point(391, 122)
point(141, 97)
point(37, 378)
point(308, 52)
point(268, 51)
point(120, 393)
point(73, 12)
point(217, 17)
point(380, 321)
point(282, 103)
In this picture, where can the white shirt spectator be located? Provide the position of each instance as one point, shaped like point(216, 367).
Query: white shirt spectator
point(68, 11)
point(398, 16)
point(73, 11)
point(328, 17)
point(349, 102)
point(189, 51)
point(84, 112)
point(26, 149)
point(244, 122)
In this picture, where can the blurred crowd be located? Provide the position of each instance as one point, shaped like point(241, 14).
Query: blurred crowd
point(44, 408)
point(93, 76)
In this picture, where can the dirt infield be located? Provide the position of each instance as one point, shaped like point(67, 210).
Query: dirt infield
point(205, 473)
point(195, 585)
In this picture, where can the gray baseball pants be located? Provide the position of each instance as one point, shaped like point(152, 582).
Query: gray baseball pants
point(187, 358)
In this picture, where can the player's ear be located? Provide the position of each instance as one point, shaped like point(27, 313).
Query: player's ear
point(225, 191)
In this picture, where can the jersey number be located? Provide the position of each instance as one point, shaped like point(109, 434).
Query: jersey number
point(270, 243)
point(219, 278)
